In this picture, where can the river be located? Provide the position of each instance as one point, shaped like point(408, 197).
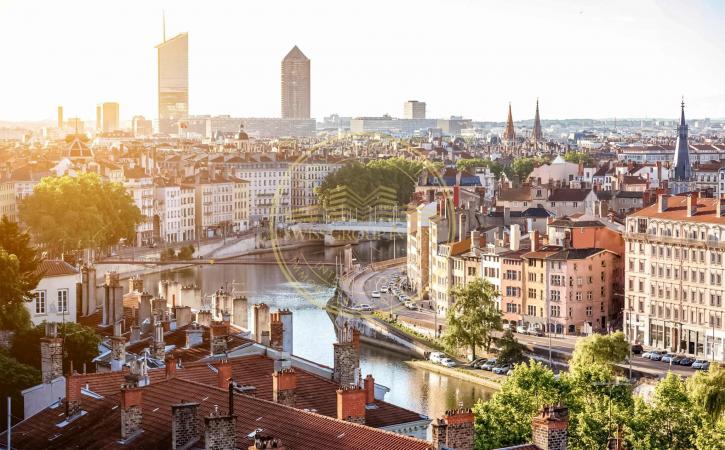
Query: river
point(305, 292)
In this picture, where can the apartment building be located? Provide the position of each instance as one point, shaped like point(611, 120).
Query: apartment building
point(7, 200)
point(241, 205)
point(674, 275)
point(269, 188)
point(215, 204)
point(167, 208)
point(188, 212)
point(418, 245)
point(140, 187)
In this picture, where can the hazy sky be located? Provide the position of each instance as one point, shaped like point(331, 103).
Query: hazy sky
point(626, 58)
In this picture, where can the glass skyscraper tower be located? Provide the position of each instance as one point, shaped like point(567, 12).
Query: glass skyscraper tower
point(173, 60)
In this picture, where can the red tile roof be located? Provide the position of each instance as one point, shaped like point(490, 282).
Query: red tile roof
point(55, 268)
point(677, 210)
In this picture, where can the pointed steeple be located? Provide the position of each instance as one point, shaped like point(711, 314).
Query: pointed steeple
point(509, 134)
point(683, 170)
point(536, 133)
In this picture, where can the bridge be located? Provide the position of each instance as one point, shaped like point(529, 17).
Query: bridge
point(224, 261)
point(352, 227)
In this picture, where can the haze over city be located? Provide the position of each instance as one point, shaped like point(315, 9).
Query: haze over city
point(469, 58)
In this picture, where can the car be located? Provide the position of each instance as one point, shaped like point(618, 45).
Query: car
point(476, 362)
point(375, 294)
point(501, 369)
point(686, 361)
point(364, 307)
point(521, 329)
point(677, 359)
point(657, 355)
point(410, 305)
point(384, 290)
point(448, 362)
point(534, 331)
point(698, 363)
point(647, 354)
point(436, 357)
point(636, 349)
point(667, 358)
point(479, 365)
point(489, 365)
point(704, 366)
point(506, 326)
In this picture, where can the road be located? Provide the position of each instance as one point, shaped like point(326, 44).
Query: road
point(365, 284)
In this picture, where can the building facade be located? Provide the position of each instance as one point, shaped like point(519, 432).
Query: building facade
point(173, 82)
point(295, 85)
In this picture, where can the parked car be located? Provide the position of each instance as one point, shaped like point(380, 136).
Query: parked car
point(698, 363)
point(436, 357)
point(506, 326)
point(657, 355)
point(521, 329)
point(384, 290)
point(489, 365)
point(637, 349)
point(375, 294)
point(666, 358)
point(704, 366)
point(534, 331)
point(477, 362)
point(365, 307)
point(686, 361)
point(677, 359)
point(501, 369)
point(448, 362)
point(410, 305)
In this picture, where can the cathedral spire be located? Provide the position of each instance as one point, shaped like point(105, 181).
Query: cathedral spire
point(536, 133)
point(683, 171)
point(509, 134)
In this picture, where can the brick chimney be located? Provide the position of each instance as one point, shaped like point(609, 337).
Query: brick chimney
point(73, 396)
point(275, 331)
point(224, 373)
point(112, 299)
point(118, 352)
point(239, 312)
point(351, 404)
point(131, 412)
point(170, 364)
point(158, 309)
point(346, 356)
point(263, 442)
point(135, 284)
point(284, 384)
point(158, 346)
point(194, 337)
point(549, 428)
point(203, 318)
point(51, 357)
point(369, 389)
point(534, 241)
point(218, 334)
point(182, 315)
point(454, 430)
point(144, 308)
point(219, 431)
point(184, 425)
point(692, 204)
point(662, 203)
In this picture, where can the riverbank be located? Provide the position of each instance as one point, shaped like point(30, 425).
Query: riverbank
point(480, 377)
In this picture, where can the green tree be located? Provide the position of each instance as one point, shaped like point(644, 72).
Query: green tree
point(601, 349)
point(80, 345)
point(510, 349)
point(70, 213)
point(473, 317)
point(577, 157)
point(14, 377)
point(708, 391)
point(19, 275)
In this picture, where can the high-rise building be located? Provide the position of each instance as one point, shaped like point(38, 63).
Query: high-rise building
point(413, 109)
point(60, 117)
point(295, 85)
point(173, 66)
point(107, 117)
point(141, 126)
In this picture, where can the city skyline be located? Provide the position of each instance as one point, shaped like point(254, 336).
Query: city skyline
point(475, 72)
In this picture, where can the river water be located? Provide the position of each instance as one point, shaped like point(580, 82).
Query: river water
point(305, 292)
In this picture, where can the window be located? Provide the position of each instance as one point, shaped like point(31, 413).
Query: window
point(555, 297)
point(62, 301)
point(40, 302)
point(532, 293)
point(555, 310)
point(589, 311)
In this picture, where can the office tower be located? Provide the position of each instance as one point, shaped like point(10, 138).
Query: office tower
point(141, 127)
point(107, 117)
point(173, 66)
point(75, 124)
point(295, 85)
point(60, 117)
point(413, 109)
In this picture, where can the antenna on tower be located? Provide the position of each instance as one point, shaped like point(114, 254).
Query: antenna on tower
point(163, 20)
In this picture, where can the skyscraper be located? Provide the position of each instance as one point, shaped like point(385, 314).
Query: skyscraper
point(107, 117)
point(173, 60)
point(413, 109)
point(295, 85)
point(60, 117)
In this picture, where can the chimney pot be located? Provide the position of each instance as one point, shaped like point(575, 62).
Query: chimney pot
point(549, 428)
point(73, 396)
point(131, 412)
point(351, 404)
point(218, 334)
point(284, 385)
point(224, 374)
point(184, 425)
point(369, 389)
point(170, 364)
point(692, 204)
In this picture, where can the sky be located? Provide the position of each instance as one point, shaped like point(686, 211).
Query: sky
point(580, 58)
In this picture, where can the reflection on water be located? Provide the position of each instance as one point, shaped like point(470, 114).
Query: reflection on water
point(306, 294)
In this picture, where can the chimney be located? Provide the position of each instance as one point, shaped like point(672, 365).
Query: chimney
point(144, 308)
point(454, 430)
point(285, 315)
point(265, 338)
point(112, 300)
point(182, 315)
point(118, 352)
point(275, 331)
point(203, 318)
point(224, 373)
point(284, 384)
point(51, 356)
point(73, 396)
point(462, 228)
point(369, 389)
point(351, 404)
point(260, 320)
point(264, 442)
point(534, 240)
point(184, 425)
point(131, 413)
point(661, 203)
point(220, 431)
point(218, 334)
point(346, 356)
point(475, 242)
point(549, 428)
point(515, 237)
point(88, 290)
point(720, 207)
point(135, 284)
point(239, 312)
point(158, 346)
point(158, 308)
point(506, 215)
point(692, 204)
point(194, 337)
point(170, 364)
point(135, 333)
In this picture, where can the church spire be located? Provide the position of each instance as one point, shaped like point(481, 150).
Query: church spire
point(536, 134)
point(509, 134)
point(683, 171)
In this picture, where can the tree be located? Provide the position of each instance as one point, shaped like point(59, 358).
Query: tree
point(14, 377)
point(510, 350)
point(578, 157)
point(80, 345)
point(19, 261)
point(708, 391)
point(473, 316)
point(70, 213)
point(605, 349)
point(522, 167)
